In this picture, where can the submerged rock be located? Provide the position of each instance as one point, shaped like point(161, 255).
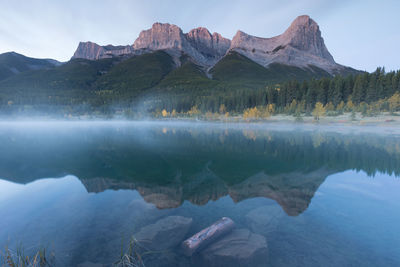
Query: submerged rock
point(239, 248)
point(207, 236)
point(264, 220)
point(165, 233)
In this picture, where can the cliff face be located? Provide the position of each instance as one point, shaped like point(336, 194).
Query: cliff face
point(93, 51)
point(301, 45)
point(199, 44)
point(204, 48)
point(161, 36)
point(210, 46)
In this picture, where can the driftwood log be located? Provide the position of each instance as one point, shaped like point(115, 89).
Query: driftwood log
point(207, 236)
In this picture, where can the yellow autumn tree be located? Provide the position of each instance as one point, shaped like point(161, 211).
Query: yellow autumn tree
point(251, 113)
point(394, 102)
point(349, 105)
point(271, 108)
point(318, 111)
point(173, 113)
point(194, 111)
point(329, 106)
point(164, 113)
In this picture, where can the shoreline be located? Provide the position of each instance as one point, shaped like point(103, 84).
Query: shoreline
point(385, 124)
point(344, 119)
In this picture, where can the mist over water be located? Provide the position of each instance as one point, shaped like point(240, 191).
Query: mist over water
point(320, 196)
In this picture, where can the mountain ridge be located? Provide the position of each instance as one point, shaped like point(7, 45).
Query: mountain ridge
point(166, 68)
point(301, 45)
point(12, 63)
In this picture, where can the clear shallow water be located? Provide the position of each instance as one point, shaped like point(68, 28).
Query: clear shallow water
point(318, 197)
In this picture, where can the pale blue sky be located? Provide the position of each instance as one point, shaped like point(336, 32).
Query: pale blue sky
point(360, 34)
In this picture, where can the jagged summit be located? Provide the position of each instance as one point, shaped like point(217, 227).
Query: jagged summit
point(304, 34)
point(203, 47)
point(210, 45)
point(301, 45)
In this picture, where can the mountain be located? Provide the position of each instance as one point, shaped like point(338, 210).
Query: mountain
point(166, 68)
point(92, 51)
point(211, 46)
point(236, 68)
point(68, 83)
point(136, 73)
point(301, 45)
point(12, 63)
point(202, 46)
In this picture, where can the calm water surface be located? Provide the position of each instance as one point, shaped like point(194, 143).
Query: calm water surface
point(317, 196)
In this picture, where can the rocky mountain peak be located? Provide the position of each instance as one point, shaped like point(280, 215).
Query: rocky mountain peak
point(300, 45)
point(305, 35)
point(199, 32)
point(88, 50)
point(93, 51)
point(209, 45)
point(303, 21)
point(160, 36)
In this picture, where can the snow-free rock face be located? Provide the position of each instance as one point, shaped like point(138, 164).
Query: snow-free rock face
point(199, 44)
point(209, 45)
point(161, 36)
point(204, 48)
point(300, 45)
point(92, 51)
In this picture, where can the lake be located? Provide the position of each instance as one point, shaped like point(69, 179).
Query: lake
point(298, 195)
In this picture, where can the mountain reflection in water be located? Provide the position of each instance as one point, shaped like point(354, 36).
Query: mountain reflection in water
point(190, 170)
point(168, 165)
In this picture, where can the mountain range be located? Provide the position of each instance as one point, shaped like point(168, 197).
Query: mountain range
point(301, 45)
point(164, 60)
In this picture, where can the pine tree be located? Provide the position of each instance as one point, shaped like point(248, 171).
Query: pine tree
point(338, 93)
point(322, 93)
point(348, 86)
point(371, 94)
point(359, 89)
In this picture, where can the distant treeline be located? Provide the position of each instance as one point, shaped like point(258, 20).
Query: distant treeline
point(369, 93)
point(366, 92)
